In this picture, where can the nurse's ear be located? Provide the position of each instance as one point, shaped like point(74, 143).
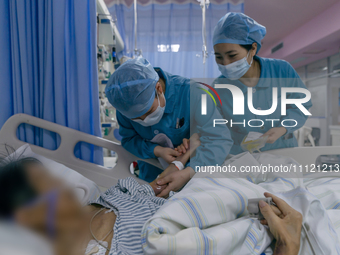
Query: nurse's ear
point(159, 88)
point(253, 49)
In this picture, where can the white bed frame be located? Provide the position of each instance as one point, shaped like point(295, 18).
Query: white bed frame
point(64, 154)
point(103, 176)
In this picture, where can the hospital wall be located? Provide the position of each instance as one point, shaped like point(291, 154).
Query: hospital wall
point(325, 89)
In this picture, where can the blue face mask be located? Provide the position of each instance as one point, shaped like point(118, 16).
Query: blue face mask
point(51, 198)
point(153, 118)
point(236, 70)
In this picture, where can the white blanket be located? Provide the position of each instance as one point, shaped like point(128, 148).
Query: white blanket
point(209, 216)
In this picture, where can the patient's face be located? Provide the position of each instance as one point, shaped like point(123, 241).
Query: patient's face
point(54, 201)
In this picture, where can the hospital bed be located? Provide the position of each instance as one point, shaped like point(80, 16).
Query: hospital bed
point(64, 154)
point(106, 177)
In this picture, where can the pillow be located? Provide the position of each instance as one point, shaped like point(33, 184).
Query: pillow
point(86, 189)
point(16, 240)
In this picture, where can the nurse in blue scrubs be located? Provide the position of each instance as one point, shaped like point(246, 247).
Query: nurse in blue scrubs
point(151, 102)
point(237, 40)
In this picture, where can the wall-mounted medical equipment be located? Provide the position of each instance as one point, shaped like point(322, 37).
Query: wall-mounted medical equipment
point(108, 33)
point(108, 120)
point(109, 44)
point(109, 41)
point(105, 62)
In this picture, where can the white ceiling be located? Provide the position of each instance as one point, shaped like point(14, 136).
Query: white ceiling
point(281, 17)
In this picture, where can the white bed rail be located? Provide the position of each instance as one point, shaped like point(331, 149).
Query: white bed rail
point(306, 155)
point(64, 154)
point(103, 176)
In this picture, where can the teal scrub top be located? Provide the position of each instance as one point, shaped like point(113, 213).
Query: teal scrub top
point(183, 101)
point(274, 73)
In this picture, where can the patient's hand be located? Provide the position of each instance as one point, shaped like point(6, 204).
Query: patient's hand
point(191, 143)
point(172, 179)
point(285, 229)
point(170, 169)
point(184, 158)
point(165, 153)
point(175, 181)
point(157, 188)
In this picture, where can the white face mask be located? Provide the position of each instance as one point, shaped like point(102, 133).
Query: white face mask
point(236, 70)
point(153, 118)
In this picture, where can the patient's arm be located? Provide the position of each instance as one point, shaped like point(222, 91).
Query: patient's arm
point(184, 158)
point(170, 169)
point(185, 146)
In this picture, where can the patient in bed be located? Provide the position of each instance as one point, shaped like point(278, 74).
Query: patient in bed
point(111, 224)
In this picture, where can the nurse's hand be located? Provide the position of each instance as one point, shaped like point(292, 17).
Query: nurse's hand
point(170, 169)
point(191, 143)
point(286, 229)
point(159, 188)
point(175, 181)
point(274, 134)
point(184, 146)
point(165, 153)
point(156, 188)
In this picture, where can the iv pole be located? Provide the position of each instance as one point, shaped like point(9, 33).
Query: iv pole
point(137, 52)
point(204, 5)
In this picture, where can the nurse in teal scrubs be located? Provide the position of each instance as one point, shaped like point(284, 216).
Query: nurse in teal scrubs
point(151, 102)
point(237, 40)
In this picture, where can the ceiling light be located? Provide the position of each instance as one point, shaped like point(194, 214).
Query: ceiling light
point(314, 51)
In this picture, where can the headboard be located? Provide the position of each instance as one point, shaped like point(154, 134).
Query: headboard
point(64, 154)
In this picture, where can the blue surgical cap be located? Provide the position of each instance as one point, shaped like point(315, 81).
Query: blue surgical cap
point(238, 28)
point(131, 88)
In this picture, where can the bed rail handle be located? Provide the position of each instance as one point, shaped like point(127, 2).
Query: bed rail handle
point(65, 152)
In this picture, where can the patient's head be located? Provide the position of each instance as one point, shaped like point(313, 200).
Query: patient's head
point(34, 198)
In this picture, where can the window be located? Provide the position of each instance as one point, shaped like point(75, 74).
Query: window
point(168, 48)
point(301, 72)
point(335, 62)
point(317, 70)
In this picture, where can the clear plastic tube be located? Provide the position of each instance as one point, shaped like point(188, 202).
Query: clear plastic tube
point(204, 4)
